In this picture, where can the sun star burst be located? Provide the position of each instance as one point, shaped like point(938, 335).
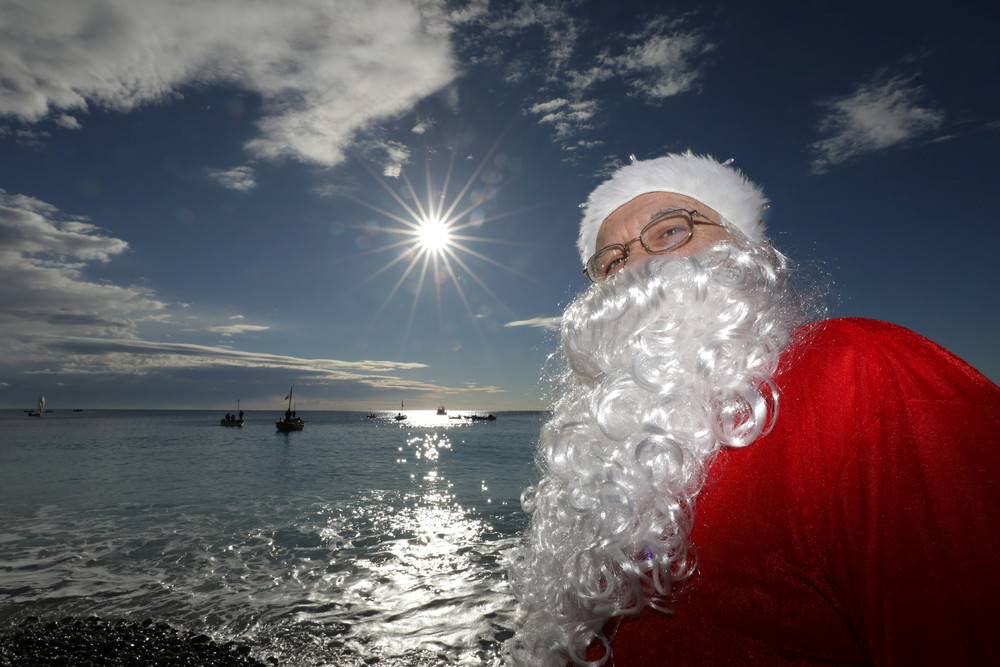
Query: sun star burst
point(434, 236)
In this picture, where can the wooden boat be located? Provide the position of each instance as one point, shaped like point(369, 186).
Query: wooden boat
point(290, 422)
point(234, 419)
point(293, 424)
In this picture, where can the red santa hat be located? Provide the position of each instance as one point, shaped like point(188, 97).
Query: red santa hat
point(738, 200)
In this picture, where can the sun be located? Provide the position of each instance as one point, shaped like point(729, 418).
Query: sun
point(436, 229)
point(434, 235)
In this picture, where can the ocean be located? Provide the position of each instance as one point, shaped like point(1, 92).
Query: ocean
point(356, 541)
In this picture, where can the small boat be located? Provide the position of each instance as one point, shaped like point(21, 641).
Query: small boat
point(490, 417)
point(372, 415)
point(41, 408)
point(442, 411)
point(399, 415)
point(233, 419)
point(291, 422)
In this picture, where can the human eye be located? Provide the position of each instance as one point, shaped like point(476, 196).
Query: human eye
point(608, 261)
point(614, 266)
point(668, 231)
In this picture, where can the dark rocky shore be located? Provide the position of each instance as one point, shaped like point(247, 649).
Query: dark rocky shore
point(94, 642)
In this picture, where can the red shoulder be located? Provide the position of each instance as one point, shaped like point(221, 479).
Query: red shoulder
point(864, 353)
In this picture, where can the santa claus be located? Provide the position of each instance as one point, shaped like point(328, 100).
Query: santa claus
point(727, 478)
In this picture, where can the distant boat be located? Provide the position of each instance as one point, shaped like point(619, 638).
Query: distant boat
point(290, 422)
point(490, 417)
point(233, 419)
point(442, 411)
point(399, 415)
point(41, 408)
point(372, 415)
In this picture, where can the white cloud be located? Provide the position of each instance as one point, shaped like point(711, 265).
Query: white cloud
point(97, 360)
point(662, 59)
point(236, 329)
point(136, 357)
point(551, 323)
point(324, 70)
point(549, 107)
point(880, 114)
point(397, 156)
point(44, 256)
point(570, 119)
point(234, 178)
point(68, 122)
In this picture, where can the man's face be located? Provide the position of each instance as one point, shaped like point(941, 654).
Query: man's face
point(625, 223)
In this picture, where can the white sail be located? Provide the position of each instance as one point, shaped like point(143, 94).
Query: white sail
point(41, 404)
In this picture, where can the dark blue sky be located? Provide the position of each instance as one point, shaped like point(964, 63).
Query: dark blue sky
point(218, 201)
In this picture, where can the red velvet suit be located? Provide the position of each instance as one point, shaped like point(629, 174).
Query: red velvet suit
point(864, 529)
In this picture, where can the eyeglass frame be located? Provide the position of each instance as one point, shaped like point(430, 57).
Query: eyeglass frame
point(657, 218)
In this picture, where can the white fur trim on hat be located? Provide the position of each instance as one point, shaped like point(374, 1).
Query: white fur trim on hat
point(739, 201)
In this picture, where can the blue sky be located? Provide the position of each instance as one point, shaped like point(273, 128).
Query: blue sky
point(216, 200)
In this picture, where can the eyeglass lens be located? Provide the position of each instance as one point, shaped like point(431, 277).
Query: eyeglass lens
point(661, 235)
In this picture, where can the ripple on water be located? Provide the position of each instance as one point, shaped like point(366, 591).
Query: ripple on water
point(404, 577)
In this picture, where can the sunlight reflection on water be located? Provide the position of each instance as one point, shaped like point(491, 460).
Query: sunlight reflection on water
point(370, 543)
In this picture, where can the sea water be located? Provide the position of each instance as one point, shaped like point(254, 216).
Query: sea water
point(356, 541)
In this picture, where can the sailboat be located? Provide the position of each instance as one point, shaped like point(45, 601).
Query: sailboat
point(235, 419)
point(399, 415)
point(41, 408)
point(290, 422)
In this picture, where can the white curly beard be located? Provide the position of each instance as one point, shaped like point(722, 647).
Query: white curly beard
point(665, 364)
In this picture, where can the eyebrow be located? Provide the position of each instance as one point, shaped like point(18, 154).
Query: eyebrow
point(663, 212)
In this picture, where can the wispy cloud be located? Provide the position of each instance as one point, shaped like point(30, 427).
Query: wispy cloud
point(101, 360)
point(323, 70)
point(879, 114)
point(662, 59)
point(134, 356)
point(551, 323)
point(236, 329)
point(234, 178)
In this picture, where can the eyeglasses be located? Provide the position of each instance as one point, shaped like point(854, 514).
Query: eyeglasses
point(668, 231)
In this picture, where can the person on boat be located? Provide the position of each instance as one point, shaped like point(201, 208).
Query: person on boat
point(682, 518)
